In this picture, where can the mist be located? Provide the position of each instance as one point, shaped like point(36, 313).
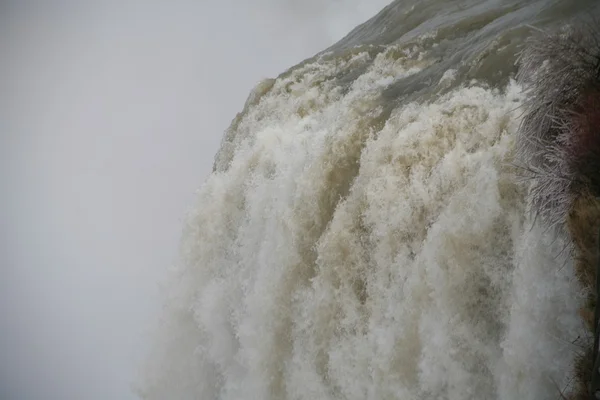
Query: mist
point(110, 116)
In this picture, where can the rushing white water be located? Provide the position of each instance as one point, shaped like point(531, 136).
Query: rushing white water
point(338, 252)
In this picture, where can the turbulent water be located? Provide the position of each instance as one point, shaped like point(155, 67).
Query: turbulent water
point(364, 234)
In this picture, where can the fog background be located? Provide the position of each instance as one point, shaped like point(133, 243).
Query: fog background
point(110, 115)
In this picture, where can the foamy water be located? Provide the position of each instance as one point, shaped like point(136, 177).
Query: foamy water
point(348, 246)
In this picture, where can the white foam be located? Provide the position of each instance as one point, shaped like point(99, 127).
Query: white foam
point(326, 260)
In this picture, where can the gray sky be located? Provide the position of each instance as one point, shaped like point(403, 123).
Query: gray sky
point(110, 116)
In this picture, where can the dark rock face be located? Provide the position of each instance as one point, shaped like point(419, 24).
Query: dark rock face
point(558, 147)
